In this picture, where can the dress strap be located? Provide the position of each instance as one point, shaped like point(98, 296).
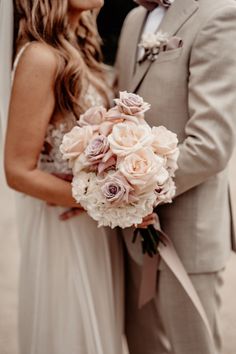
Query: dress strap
point(17, 59)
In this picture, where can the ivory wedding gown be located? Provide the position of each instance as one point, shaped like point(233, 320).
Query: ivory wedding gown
point(71, 275)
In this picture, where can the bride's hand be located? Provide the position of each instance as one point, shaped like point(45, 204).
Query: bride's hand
point(64, 176)
point(151, 219)
point(71, 213)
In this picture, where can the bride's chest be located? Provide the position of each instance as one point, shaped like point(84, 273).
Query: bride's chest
point(50, 157)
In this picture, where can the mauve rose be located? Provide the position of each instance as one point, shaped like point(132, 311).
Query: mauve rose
point(116, 189)
point(131, 104)
point(93, 116)
point(97, 149)
point(164, 141)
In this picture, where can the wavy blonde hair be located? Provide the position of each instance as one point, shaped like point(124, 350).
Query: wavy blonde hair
point(46, 21)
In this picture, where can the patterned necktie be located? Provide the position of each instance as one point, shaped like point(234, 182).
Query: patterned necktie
point(151, 4)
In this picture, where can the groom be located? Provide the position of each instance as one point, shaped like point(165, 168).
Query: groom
point(192, 91)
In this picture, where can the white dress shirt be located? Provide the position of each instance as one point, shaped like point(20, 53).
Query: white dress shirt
point(152, 24)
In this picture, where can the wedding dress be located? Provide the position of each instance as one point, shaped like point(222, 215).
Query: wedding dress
point(71, 274)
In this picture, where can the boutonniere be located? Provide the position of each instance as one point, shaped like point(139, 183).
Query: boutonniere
point(154, 43)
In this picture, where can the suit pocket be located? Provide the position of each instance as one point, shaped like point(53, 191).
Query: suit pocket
point(169, 54)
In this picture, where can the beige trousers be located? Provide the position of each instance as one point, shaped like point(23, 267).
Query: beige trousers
point(169, 323)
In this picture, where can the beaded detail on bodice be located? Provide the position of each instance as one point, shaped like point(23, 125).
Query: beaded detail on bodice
point(50, 159)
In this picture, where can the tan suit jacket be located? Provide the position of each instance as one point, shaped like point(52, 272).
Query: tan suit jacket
point(192, 91)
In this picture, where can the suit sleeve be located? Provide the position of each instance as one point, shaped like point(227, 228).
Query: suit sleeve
point(210, 131)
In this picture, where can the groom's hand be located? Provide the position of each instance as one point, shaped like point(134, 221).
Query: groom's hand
point(151, 219)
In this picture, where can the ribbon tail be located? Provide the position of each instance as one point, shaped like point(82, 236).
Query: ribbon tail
point(149, 279)
point(173, 262)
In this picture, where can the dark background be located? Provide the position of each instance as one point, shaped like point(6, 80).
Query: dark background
point(110, 21)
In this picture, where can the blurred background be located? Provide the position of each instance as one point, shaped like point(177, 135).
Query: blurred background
point(109, 22)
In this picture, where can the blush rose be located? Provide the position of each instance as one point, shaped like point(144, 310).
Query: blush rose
point(75, 142)
point(127, 138)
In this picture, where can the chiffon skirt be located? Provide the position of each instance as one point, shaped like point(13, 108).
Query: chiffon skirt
point(71, 283)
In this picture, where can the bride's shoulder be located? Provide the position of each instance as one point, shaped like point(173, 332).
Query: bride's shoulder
point(36, 57)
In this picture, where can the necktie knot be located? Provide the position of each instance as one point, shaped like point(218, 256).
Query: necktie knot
point(151, 4)
point(165, 3)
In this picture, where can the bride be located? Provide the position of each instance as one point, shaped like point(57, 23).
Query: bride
point(70, 291)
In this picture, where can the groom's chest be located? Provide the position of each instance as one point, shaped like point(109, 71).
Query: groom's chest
point(162, 82)
point(165, 79)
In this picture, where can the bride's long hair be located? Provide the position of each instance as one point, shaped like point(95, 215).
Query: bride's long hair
point(46, 21)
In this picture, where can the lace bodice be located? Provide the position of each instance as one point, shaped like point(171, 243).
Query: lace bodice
point(50, 159)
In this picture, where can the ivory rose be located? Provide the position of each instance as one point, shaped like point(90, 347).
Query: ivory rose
point(80, 185)
point(166, 193)
point(93, 116)
point(75, 142)
point(132, 104)
point(79, 164)
point(127, 138)
point(154, 40)
point(171, 161)
point(114, 116)
point(164, 141)
point(141, 169)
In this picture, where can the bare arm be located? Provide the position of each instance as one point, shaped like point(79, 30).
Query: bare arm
point(31, 108)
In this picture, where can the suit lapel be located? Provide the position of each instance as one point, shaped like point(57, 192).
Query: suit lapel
point(132, 40)
point(176, 16)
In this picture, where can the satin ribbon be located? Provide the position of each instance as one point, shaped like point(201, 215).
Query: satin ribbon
point(168, 254)
point(151, 4)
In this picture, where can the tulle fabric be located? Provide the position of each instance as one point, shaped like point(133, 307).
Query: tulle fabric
point(71, 283)
point(71, 275)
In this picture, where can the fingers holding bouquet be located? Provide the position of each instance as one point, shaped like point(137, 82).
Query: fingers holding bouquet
point(151, 219)
point(73, 211)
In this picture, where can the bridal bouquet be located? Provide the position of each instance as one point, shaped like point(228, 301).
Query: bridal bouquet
point(122, 168)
